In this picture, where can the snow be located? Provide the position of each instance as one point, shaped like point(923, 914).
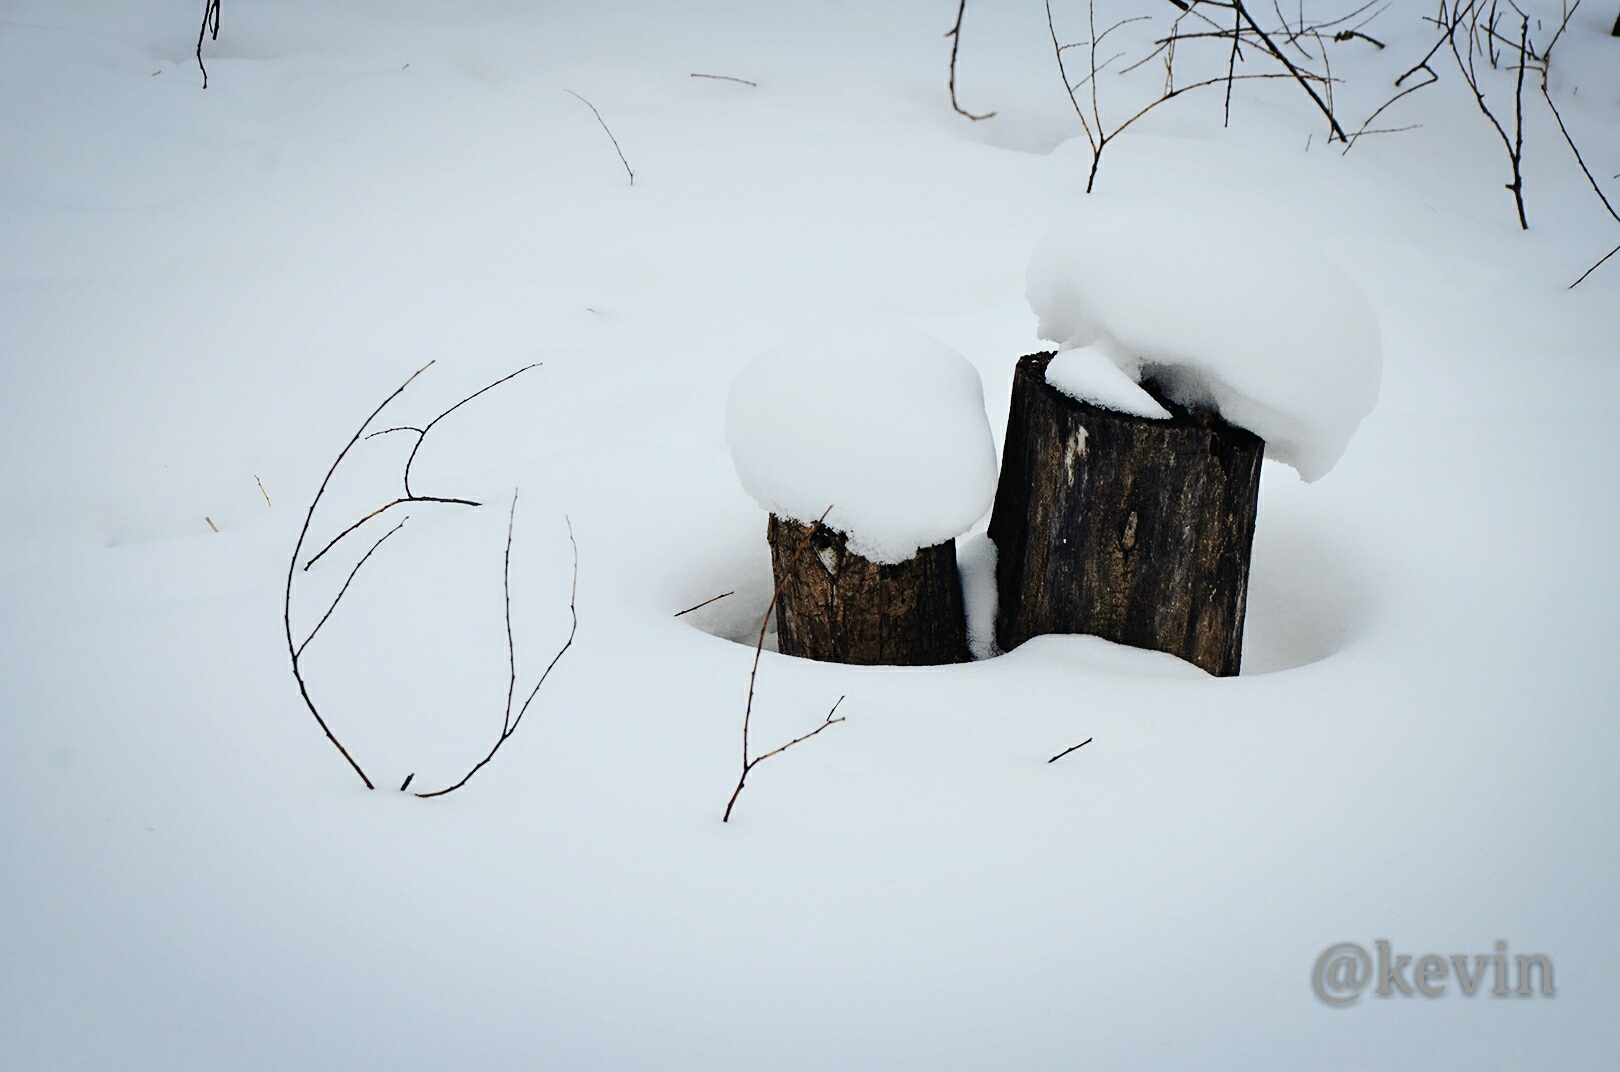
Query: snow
point(1096, 374)
point(1228, 315)
point(201, 288)
point(876, 421)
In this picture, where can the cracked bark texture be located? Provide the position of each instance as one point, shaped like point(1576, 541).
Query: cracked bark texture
point(1135, 530)
point(839, 607)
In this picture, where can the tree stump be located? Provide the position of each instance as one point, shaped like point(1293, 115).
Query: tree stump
point(1127, 528)
point(839, 607)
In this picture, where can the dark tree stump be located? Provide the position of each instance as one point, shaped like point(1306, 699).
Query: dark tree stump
point(1131, 529)
point(839, 607)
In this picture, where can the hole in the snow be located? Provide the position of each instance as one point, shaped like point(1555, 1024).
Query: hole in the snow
point(1305, 596)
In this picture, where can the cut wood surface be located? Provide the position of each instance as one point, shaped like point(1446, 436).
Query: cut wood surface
point(837, 606)
point(1131, 529)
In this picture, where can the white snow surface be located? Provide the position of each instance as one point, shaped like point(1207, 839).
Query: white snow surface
point(876, 420)
point(1096, 374)
point(1229, 315)
point(206, 291)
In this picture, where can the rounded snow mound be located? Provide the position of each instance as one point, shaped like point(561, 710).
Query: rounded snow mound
point(1221, 318)
point(882, 423)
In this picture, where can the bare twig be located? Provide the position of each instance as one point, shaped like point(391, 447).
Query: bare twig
point(316, 557)
point(705, 603)
point(1071, 748)
point(292, 567)
point(1594, 267)
point(759, 647)
point(509, 721)
point(421, 437)
point(406, 784)
point(723, 78)
point(345, 587)
point(266, 494)
point(211, 523)
point(955, 34)
point(210, 21)
point(611, 138)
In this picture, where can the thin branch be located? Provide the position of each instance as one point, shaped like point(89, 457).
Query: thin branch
point(1594, 267)
point(510, 723)
point(726, 78)
point(266, 494)
point(346, 584)
point(385, 506)
point(292, 567)
point(429, 427)
point(421, 437)
point(759, 647)
point(1071, 748)
point(210, 20)
point(1304, 82)
point(955, 34)
point(735, 793)
point(705, 603)
point(1231, 65)
point(506, 594)
point(611, 138)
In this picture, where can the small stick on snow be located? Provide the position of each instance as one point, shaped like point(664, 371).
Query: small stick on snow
point(406, 784)
point(955, 34)
point(759, 646)
point(210, 21)
point(1066, 751)
point(611, 138)
point(705, 603)
point(728, 78)
point(266, 494)
point(211, 523)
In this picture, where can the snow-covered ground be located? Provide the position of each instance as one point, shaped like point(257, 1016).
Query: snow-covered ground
point(203, 291)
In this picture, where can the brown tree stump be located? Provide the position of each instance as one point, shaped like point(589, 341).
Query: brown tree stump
point(1131, 529)
point(839, 607)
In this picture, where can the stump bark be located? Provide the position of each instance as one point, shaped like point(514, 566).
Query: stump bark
point(1131, 529)
point(839, 607)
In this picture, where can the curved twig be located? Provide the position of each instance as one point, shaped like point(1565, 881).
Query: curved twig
point(753, 674)
point(346, 584)
point(210, 20)
point(316, 557)
point(611, 138)
point(429, 427)
point(509, 722)
point(292, 567)
point(955, 34)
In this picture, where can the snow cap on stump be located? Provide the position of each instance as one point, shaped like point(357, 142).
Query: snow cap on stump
point(879, 421)
point(1221, 317)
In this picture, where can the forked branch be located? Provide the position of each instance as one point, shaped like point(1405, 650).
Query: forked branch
point(210, 22)
point(759, 646)
point(295, 649)
point(509, 721)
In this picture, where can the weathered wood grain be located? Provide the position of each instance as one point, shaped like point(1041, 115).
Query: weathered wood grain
point(837, 606)
point(1131, 529)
